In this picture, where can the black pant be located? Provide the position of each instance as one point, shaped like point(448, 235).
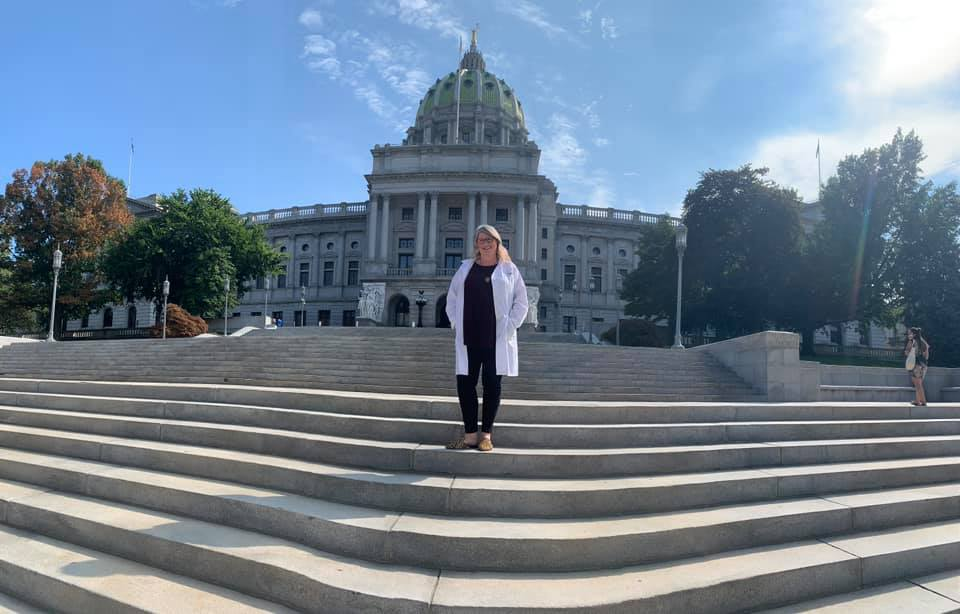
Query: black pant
point(467, 388)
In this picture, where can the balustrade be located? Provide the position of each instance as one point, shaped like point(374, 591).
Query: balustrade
point(317, 211)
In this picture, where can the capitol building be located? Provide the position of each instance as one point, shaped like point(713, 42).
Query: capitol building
point(388, 260)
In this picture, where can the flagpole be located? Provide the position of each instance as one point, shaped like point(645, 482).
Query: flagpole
point(456, 138)
point(130, 172)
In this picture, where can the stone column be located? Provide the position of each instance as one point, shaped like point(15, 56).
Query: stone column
point(483, 209)
point(611, 270)
point(520, 227)
point(471, 224)
point(534, 230)
point(341, 273)
point(585, 265)
point(385, 230)
point(421, 224)
point(372, 228)
point(434, 214)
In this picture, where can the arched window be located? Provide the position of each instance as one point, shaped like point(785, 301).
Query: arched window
point(131, 316)
point(441, 316)
point(107, 317)
point(401, 313)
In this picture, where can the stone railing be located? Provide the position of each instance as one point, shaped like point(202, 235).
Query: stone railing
point(398, 272)
point(621, 216)
point(880, 354)
point(310, 212)
point(447, 272)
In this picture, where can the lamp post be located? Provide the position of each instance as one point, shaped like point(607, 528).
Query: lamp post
point(226, 303)
point(266, 299)
point(421, 301)
point(593, 288)
point(303, 306)
point(619, 318)
point(57, 264)
point(681, 246)
point(166, 294)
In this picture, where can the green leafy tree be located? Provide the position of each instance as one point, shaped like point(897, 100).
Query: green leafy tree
point(927, 265)
point(71, 203)
point(198, 241)
point(849, 268)
point(650, 289)
point(744, 240)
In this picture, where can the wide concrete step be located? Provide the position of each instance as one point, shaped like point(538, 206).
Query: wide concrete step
point(880, 394)
point(521, 462)
point(311, 580)
point(934, 594)
point(57, 576)
point(9, 605)
point(69, 412)
point(480, 543)
point(171, 400)
point(262, 566)
point(441, 494)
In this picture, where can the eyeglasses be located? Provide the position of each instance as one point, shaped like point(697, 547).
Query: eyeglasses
point(486, 241)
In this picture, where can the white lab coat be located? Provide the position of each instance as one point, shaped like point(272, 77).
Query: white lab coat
point(510, 305)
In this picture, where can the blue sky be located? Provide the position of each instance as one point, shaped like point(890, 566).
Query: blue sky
point(277, 103)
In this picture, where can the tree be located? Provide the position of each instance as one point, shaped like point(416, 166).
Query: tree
point(71, 203)
point(849, 263)
point(744, 240)
point(927, 266)
point(198, 241)
point(650, 290)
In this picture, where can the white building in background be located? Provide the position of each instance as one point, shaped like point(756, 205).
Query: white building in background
point(459, 166)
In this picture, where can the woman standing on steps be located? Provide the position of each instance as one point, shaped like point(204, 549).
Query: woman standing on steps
point(486, 304)
point(917, 351)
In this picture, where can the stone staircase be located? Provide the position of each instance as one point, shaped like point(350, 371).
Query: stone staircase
point(389, 360)
point(176, 496)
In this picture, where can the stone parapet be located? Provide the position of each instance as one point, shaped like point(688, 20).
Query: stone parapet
point(770, 363)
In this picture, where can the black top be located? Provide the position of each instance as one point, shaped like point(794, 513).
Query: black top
point(479, 315)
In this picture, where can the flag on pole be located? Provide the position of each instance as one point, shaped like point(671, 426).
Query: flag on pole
point(818, 148)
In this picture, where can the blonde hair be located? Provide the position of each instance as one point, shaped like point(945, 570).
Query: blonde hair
point(502, 254)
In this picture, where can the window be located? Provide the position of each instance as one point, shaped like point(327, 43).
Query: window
point(503, 215)
point(622, 253)
point(353, 273)
point(406, 243)
point(596, 279)
point(506, 243)
point(330, 246)
point(277, 317)
point(349, 317)
point(569, 276)
point(281, 280)
point(543, 274)
point(304, 274)
point(305, 247)
point(299, 318)
point(107, 317)
point(259, 283)
point(569, 324)
point(283, 249)
point(543, 233)
point(621, 277)
point(355, 245)
point(256, 313)
point(465, 138)
point(543, 312)
point(571, 249)
point(328, 273)
point(454, 243)
point(85, 321)
point(455, 213)
point(405, 261)
point(132, 317)
point(452, 261)
point(596, 251)
point(543, 253)
point(406, 214)
point(323, 317)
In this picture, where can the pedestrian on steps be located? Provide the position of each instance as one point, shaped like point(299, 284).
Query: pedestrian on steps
point(917, 352)
point(486, 304)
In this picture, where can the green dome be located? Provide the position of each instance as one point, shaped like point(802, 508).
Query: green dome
point(476, 86)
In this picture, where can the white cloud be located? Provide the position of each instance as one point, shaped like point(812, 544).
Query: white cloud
point(792, 159)
point(317, 44)
point(533, 14)
point(608, 28)
point(424, 14)
point(311, 18)
point(601, 142)
point(589, 111)
point(564, 159)
point(586, 19)
point(328, 66)
point(899, 47)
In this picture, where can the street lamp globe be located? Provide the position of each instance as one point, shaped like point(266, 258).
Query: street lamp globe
point(681, 237)
point(57, 264)
point(681, 246)
point(166, 294)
